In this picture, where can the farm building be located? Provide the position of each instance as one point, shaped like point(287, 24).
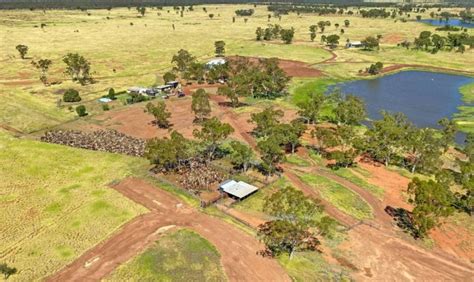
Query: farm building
point(162, 88)
point(215, 62)
point(137, 90)
point(354, 44)
point(105, 100)
point(173, 84)
point(237, 190)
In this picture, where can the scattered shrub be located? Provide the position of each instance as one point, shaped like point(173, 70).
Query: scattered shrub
point(71, 95)
point(81, 110)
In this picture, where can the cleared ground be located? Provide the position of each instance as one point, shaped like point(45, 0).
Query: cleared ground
point(55, 203)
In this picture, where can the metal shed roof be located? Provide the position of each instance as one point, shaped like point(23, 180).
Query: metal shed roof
point(215, 62)
point(238, 189)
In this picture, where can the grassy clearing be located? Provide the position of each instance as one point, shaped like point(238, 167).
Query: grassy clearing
point(348, 174)
point(254, 204)
point(467, 92)
point(294, 159)
point(56, 203)
point(179, 256)
point(301, 88)
point(465, 117)
point(311, 266)
point(341, 197)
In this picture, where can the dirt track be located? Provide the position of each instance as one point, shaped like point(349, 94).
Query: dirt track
point(237, 248)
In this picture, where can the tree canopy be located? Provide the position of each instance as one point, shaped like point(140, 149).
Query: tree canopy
point(200, 104)
point(160, 113)
point(294, 227)
point(78, 68)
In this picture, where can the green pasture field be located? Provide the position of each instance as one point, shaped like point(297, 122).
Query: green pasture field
point(340, 196)
point(353, 175)
point(56, 203)
point(124, 55)
point(465, 116)
point(182, 255)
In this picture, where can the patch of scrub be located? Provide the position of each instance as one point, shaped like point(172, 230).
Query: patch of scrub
point(338, 195)
point(182, 255)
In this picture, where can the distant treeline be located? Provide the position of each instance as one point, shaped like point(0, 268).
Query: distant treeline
point(98, 4)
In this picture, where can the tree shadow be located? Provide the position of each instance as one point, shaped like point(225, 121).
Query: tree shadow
point(155, 123)
point(403, 219)
point(230, 105)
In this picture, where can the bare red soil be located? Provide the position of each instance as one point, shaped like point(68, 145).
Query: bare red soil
point(393, 38)
point(392, 183)
point(294, 68)
point(237, 248)
point(454, 240)
point(134, 121)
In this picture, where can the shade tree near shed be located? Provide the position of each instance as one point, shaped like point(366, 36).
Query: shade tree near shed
point(297, 223)
point(370, 43)
point(241, 155)
point(271, 154)
point(169, 76)
point(212, 133)
point(332, 40)
point(182, 60)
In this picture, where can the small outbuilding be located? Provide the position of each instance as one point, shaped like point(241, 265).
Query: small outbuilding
point(137, 90)
point(163, 88)
point(215, 62)
point(105, 100)
point(354, 44)
point(237, 190)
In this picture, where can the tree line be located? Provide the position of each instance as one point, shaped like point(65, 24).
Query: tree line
point(272, 32)
point(432, 42)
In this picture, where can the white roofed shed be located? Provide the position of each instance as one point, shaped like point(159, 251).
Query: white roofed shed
point(239, 190)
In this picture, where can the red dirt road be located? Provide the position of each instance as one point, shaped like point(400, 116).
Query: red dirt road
point(378, 249)
point(237, 248)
